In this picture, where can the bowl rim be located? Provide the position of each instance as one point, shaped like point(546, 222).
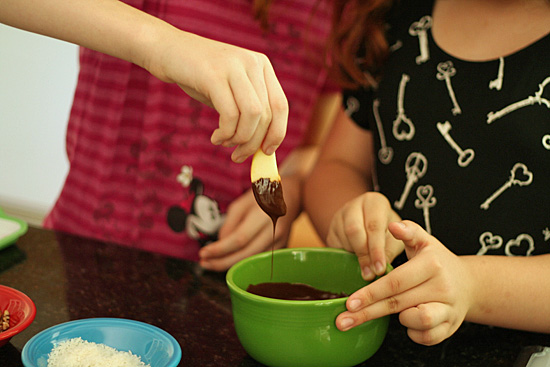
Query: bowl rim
point(234, 287)
point(27, 320)
point(176, 358)
point(12, 237)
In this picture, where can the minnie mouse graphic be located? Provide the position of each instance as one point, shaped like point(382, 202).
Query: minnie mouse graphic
point(197, 214)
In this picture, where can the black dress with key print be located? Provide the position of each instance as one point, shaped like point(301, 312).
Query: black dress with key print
point(463, 148)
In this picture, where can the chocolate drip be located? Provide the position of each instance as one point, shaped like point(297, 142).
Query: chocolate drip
point(292, 291)
point(269, 196)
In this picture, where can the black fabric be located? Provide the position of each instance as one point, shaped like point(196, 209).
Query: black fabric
point(515, 222)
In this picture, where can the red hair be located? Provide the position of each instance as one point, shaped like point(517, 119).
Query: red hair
point(261, 12)
point(357, 46)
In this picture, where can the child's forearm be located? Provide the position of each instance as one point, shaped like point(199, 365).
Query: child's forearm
point(511, 292)
point(108, 26)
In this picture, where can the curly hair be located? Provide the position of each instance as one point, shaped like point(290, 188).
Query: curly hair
point(260, 9)
point(357, 46)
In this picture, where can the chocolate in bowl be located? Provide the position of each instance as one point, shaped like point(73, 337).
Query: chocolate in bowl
point(304, 329)
point(292, 291)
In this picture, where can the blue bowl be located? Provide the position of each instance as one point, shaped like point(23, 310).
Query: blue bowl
point(155, 346)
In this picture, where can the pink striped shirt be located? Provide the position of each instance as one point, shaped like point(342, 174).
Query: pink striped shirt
point(143, 172)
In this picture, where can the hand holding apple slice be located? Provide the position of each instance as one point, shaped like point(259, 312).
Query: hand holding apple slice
point(266, 185)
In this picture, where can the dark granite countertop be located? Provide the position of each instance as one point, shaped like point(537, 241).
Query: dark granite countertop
point(71, 278)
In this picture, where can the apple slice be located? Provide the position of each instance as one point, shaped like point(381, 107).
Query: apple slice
point(266, 185)
point(264, 166)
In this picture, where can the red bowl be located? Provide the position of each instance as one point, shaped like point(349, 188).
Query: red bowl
point(22, 312)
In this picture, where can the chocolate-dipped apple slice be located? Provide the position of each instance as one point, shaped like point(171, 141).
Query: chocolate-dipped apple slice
point(266, 185)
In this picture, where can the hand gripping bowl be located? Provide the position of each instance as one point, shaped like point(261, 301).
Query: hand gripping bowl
point(301, 333)
point(22, 312)
point(154, 345)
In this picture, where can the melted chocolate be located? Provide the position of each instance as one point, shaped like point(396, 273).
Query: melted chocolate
point(292, 291)
point(269, 196)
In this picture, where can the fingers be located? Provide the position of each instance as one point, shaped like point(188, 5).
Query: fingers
point(389, 294)
point(243, 119)
point(247, 230)
point(361, 227)
point(428, 323)
point(238, 231)
point(430, 302)
point(222, 254)
point(253, 111)
point(279, 111)
point(393, 248)
point(349, 232)
point(376, 243)
point(340, 234)
point(402, 288)
point(413, 236)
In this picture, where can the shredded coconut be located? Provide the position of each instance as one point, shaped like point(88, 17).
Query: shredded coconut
point(81, 353)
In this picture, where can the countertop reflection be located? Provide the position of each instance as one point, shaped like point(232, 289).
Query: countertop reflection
point(70, 278)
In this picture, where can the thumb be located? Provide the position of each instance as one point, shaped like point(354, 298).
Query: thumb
point(413, 236)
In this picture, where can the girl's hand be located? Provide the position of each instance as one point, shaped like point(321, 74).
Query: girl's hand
point(240, 84)
point(431, 292)
point(360, 227)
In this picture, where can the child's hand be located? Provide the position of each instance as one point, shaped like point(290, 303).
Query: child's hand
point(361, 227)
point(240, 84)
point(432, 292)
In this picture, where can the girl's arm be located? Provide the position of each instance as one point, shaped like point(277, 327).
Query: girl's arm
point(243, 88)
point(511, 292)
point(343, 172)
point(341, 205)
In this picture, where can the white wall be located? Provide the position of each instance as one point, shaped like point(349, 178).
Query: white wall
point(37, 81)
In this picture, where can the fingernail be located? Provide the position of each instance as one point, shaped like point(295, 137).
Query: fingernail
point(401, 224)
point(214, 139)
point(270, 150)
point(354, 305)
point(367, 273)
point(346, 323)
point(379, 267)
point(238, 158)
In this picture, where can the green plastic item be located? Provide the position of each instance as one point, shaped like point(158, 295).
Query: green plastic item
point(301, 333)
point(10, 229)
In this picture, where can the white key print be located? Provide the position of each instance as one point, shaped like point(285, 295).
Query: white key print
point(385, 154)
point(525, 179)
point(352, 105)
point(546, 142)
point(408, 133)
point(522, 238)
point(425, 201)
point(396, 46)
point(420, 29)
point(415, 168)
point(488, 241)
point(445, 71)
point(464, 156)
point(497, 83)
point(529, 101)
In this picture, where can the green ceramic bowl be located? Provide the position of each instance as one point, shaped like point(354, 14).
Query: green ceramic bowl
point(301, 333)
